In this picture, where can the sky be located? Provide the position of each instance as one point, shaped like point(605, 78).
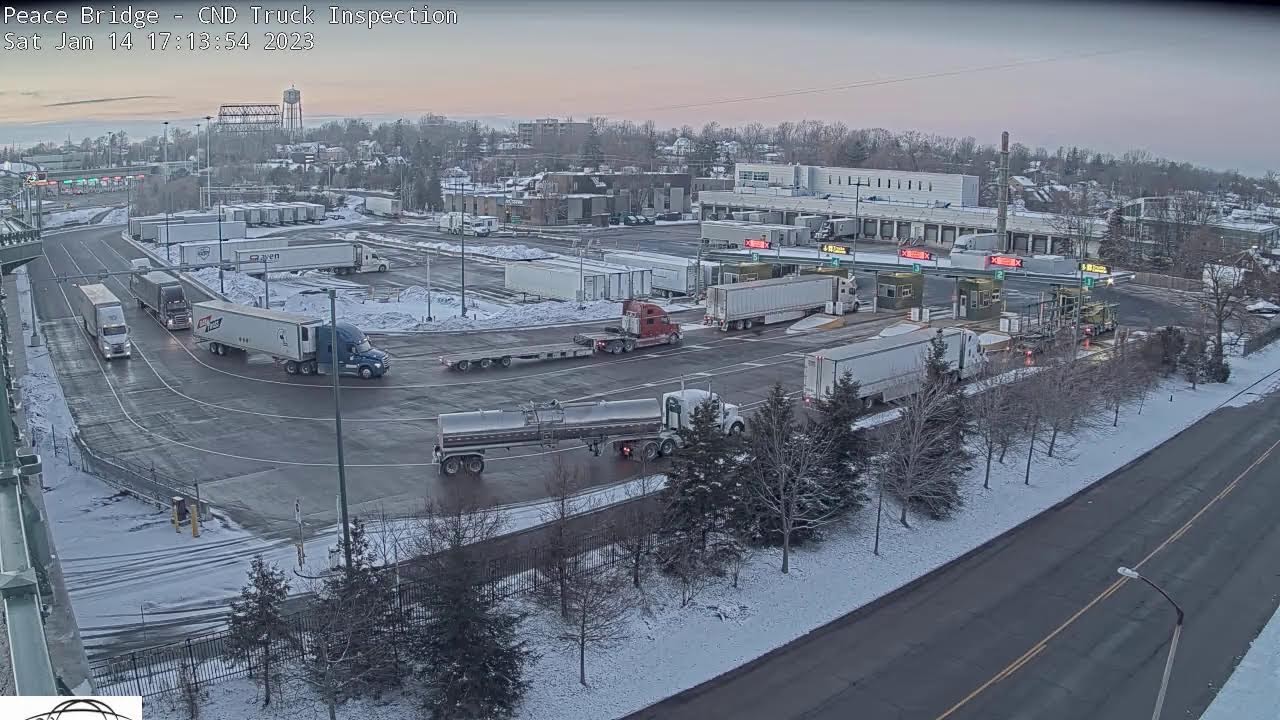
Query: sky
point(1190, 83)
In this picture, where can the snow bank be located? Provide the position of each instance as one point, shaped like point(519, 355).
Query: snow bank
point(119, 216)
point(1253, 690)
point(497, 252)
point(79, 216)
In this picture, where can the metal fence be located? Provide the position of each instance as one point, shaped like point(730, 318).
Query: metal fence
point(205, 658)
point(143, 482)
point(1169, 282)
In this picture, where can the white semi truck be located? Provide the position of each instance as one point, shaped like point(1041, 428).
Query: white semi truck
point(740, 306)
point(341, 258)
point(382, 206)
point(889, 368)
point(646, 428)
point(102, 315)
point(299, 343)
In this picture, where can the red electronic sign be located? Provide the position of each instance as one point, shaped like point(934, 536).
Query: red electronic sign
point(915, 254)
point(1006, 261)
point(754, 244)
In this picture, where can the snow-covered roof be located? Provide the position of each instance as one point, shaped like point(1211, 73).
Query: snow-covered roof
point(1023, 181)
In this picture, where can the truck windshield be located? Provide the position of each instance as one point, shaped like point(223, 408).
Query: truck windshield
point(364, 345)
point(115, 330)
point(173, 296)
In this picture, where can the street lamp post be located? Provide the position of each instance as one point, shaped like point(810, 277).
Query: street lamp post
point(164, 171)
point(1173, 643)
point(337, 424)
point(343, 514)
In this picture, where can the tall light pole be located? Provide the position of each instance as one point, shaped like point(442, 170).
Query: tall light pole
point(857, 216)
point(337, 424)
point(1173, 643)
point(164, 170)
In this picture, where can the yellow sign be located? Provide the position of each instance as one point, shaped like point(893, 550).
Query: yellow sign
point(837, 249)
point(1095, 268)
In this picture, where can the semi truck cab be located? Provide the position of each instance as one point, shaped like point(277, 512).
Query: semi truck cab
point(356, 355)
point(177, 310)
point(678, 407)
point(113, 333)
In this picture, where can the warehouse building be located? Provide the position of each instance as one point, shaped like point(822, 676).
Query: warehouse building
point(933, 209)
point(1159, 226)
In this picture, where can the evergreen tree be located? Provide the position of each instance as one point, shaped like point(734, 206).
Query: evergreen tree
point(700, 491)
point(257, 626)
point(1114, 246)
point(472, 662)
point(355, 651)
point(951, 424)
point(420, 191)
point(838, 410)
point(434, 199)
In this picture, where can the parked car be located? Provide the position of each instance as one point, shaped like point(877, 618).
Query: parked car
point(632, 220)
point(615, 219)
point(670, 216)
point(645, 219)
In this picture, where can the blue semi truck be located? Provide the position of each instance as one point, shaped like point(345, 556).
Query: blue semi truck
point(299, 344)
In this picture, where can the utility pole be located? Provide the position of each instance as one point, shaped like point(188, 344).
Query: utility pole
point(1002, 198)
point(164, 170)
point(462, 232)
point(337, 424)
point(857, 216)
point(429, 318)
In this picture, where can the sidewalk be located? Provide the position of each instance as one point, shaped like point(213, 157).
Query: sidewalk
point(62, 634)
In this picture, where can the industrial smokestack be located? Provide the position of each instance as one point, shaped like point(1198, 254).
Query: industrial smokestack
point(1002, 200)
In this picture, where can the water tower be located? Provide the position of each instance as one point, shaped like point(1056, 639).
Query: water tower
point(293, 111)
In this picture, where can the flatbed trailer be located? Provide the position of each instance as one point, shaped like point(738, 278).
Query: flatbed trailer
point(502, 357)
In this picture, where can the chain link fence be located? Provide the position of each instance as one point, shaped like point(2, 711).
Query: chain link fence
point(1256, 342)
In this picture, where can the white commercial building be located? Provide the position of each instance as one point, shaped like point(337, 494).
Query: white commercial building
point(896, 186)
point(934, 208)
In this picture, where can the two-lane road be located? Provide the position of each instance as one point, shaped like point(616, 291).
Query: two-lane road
point(1036, 624)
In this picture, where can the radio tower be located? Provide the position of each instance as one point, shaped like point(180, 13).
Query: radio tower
point(293, 112)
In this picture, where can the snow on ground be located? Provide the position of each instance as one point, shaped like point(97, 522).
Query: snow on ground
point(497, 252)
point(119, 216)
point(728, 627)
point(122, 558)
point(79, 216)
point(1253, 690)
point(405, 311)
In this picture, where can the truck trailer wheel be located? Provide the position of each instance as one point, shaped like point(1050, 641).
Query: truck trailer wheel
point(291, 367)
point(667, 447)
point(451, 466)
point(463, 365)
point(307, 368)
point(222, 349)
point(382, 268)
point(673, 339)
point(505, 361)
point(650, 451)
point(746, 324)
point(628, 345)
point(486, 363)
point(475, 464)
point(614, 347)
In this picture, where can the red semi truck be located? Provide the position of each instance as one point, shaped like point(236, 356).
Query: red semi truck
point(643, 325)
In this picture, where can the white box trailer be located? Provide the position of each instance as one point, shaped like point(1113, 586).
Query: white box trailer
point(889, 368)
point(669, 274)
point(813, 222)
point(199, 232)
point(382, 206)
point(197, 217)
point(135, 224)
point(288, 213)
point(739, 306)
point(234, 213)
point(205, 253)
point(339, 258)
point(102, 315)
point(252, 215)
point(270, 214)
point(299, 343)
point(563, 278)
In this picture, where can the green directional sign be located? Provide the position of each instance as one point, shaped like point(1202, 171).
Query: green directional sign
point(915, 268)
point(1000, 275)
point(755, 257)
point(1088, 282)
point(835, 262)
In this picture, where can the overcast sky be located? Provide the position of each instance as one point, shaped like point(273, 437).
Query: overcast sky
point(1196, 85)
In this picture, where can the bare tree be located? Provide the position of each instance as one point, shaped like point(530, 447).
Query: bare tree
point(1222, 300)
point(563, 486)
point(1124, 377)
point(994, 422)
point(641, 518)
point(791, 481)
point(599, 610)
point(1075, 218)
point(910, 468)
